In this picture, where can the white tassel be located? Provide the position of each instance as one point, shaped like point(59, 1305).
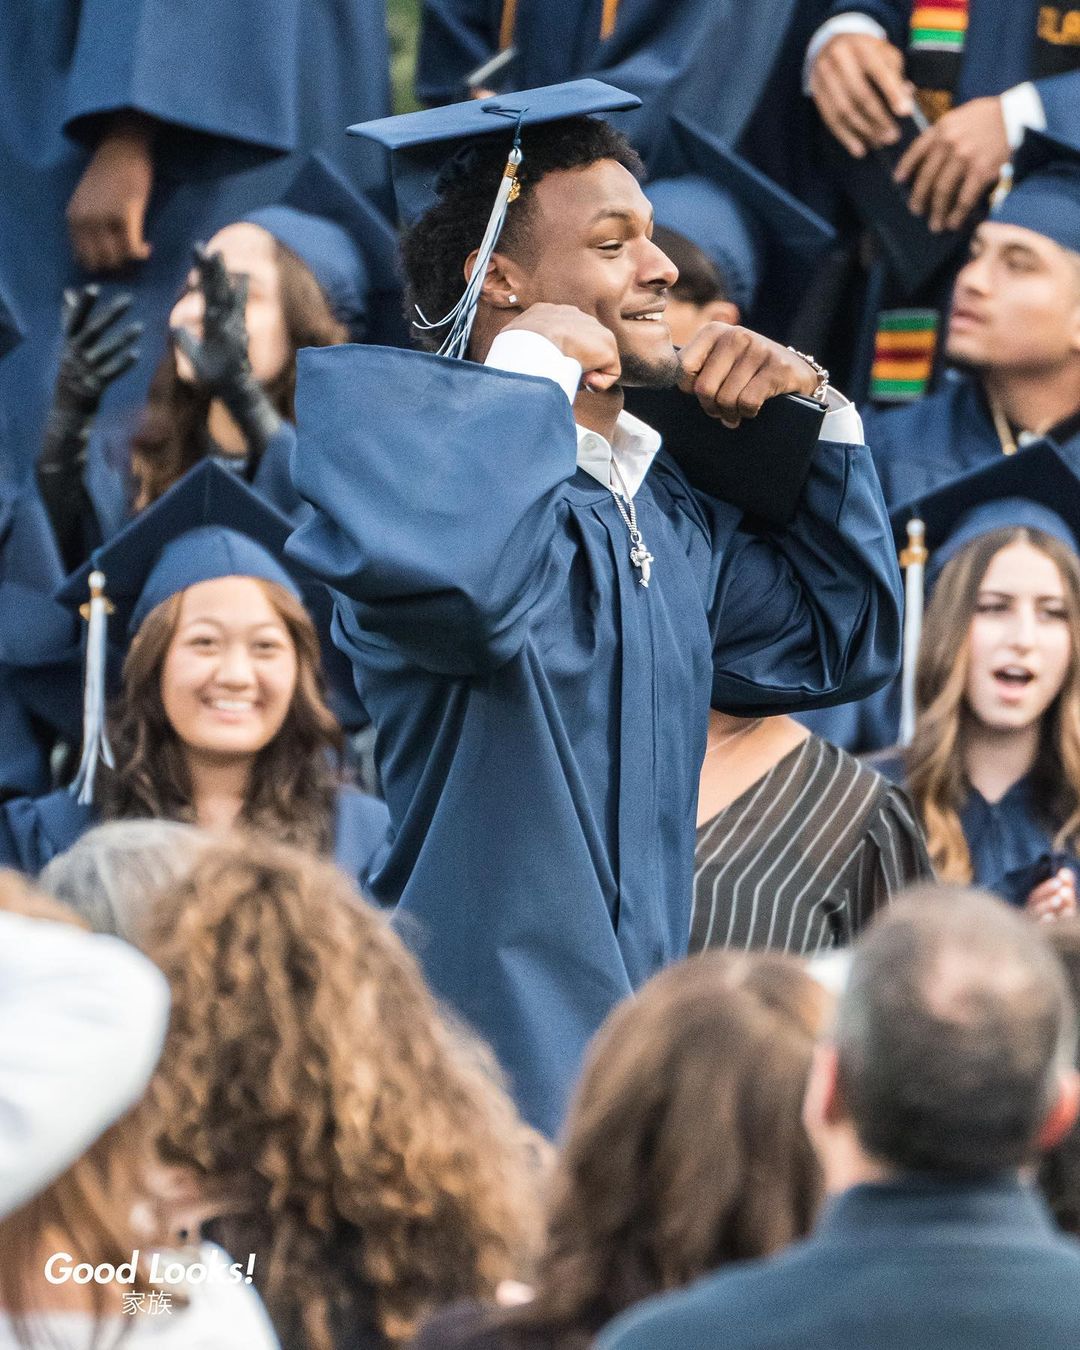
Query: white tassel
point(95, 739)
point(913, 560)
point(462, 316)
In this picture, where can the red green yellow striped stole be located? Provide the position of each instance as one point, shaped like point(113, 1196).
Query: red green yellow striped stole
point(903, 354)
point(935, 48)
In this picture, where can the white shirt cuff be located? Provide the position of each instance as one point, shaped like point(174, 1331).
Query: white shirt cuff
point(841, 422)
point(524, 353)
point(853, 22)
point(1022, 108)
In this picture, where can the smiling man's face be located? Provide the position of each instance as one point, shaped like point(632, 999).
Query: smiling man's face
point(590, 245)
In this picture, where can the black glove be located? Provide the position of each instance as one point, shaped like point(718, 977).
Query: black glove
point(220, 360)
point(95, 353)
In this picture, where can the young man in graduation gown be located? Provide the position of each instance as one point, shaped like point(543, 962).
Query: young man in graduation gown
point(980, 72)
point(1014, 332)
point(537, 604)
point(129, 129)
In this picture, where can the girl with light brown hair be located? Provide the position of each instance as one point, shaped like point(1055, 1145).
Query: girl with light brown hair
point(82, 1256)
point(684, 1150)
point(329, 1120)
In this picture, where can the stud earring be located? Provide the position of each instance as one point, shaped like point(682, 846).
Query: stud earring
point(512, 299)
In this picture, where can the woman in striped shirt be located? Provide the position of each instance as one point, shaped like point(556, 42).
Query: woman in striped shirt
point(798, 844)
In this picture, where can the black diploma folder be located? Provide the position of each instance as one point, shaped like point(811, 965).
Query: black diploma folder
point(759, 466)
point(913, 251)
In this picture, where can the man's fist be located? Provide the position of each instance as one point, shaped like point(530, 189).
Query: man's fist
point(953, 164)
point(578, 335)
point(732, 371)
point(107, 211)
point(858, 85)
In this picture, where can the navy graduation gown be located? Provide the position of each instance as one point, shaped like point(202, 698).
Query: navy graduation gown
point(34, 830)
point(230, 86)
point(1011, 841)
point(997, 55)
point(541, 716)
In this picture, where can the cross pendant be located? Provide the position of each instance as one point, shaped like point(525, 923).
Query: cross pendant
point(642, 560)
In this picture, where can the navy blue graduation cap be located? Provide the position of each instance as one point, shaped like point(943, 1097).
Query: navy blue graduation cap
point(340, 236)
point(208, 525)
point(421, 145)
point(1036, 488)
point(11, 330)
point(743, 221)
point(1045, 195)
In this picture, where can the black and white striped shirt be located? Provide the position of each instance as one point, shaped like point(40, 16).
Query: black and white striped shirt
point(804, 858)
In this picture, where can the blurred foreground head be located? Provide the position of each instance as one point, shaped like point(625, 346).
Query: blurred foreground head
point(684, 1148)
point(953, 1047)
point(309, 1084)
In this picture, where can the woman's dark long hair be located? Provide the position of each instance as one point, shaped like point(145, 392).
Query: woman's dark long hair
point(685, 1148)
point(172, 436)
point(293, 782)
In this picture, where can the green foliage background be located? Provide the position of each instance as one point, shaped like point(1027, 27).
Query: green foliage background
point(403, 20)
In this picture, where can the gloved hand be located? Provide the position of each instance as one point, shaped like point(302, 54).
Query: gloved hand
point(220, 361)
point(95, 353)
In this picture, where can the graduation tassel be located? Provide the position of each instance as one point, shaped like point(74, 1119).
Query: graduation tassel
point(95, 740)
point(461, 317)
point(913, 561)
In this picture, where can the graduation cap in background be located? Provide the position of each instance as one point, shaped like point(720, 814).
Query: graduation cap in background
point(749, 227)
point(1037, 488)
point(343, 240)
point(1045, 191)
point(208, 525)
point(422, 144)
point(11, 330)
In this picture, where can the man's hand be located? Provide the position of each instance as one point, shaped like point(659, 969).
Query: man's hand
point(858, 85)
point(1054, 898)
point(107, 211)
point(578, 335)
point(954, 162)
point(732, 371)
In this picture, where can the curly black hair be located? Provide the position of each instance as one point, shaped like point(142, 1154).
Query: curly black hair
point(434, 249)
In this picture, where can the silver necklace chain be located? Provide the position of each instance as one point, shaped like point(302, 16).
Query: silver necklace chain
point(639, 553)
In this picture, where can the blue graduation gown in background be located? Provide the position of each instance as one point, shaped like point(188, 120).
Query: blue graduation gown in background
point(34, 830)
point(541, 716)
point(241, 91)
point(1011, 841)
point(918, 448)
point(732, 67)
point(997, 53)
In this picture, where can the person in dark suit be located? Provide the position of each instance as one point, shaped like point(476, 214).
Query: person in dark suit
point(950, 1068)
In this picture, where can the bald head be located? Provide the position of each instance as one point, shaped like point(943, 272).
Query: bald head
point(953, 1035)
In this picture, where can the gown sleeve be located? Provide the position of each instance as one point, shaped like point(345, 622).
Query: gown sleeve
point(456, 36)
point(82, 1018)
point(33, 830)
point(227, 70)
point(434, 514)
point(809, 615)
point(1060, 96)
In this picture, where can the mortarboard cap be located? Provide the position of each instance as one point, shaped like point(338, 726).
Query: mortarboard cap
point(743, 221)
point(1036, 488)
point(11, 329)
point(208, 525)
point(422, 143)
point(1045, 193)
point(341, 237)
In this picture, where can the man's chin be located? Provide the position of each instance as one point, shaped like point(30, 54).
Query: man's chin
point(639, 372)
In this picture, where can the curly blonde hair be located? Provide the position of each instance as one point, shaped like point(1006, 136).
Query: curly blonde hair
point(935, 759)
point(380, 1168)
